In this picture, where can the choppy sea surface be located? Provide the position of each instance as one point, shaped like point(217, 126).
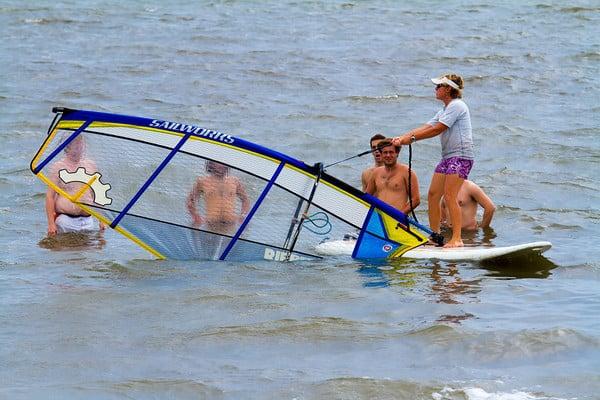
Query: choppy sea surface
point(313, 79)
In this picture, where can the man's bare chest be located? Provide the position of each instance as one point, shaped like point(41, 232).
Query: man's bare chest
point(391, 181)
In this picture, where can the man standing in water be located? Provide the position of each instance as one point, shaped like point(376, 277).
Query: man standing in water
point(366, 175)
point(63, 215)
point(470, 196)
point(389, 182)
point(219, 191)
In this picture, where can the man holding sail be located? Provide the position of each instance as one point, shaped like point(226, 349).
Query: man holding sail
point(390, 182)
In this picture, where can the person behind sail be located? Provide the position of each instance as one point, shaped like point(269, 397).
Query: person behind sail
point(453, 122)
point(470, 196)
point(219, 191)
point(366, 175)
point(63, 215)
point(389, 182)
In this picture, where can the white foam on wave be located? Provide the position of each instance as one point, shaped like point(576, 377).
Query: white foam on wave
point(474, 393)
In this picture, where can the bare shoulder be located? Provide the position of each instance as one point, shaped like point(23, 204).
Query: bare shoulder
point(54, 167)
point(367, 172)
point(376, 171)
point(403, 167)
point(200, 182)
point(471, 186)
point(473, 190)
point(87, 161)
point(233, 179)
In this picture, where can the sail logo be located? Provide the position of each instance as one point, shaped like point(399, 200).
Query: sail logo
point(387, 248)
point(276, 255)
point(195, 130)
point(90, 180)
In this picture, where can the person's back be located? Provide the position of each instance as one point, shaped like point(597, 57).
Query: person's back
point(219, 191)
point(469, 197)
point(220, 194)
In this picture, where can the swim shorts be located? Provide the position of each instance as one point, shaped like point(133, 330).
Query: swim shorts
point(66, 223)
point(455, 166)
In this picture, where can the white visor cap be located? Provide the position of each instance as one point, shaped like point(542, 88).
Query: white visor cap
point(444, 80)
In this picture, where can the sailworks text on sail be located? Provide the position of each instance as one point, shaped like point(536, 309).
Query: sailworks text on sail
point(185, 192)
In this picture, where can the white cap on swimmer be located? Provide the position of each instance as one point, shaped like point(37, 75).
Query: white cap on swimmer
point(444, 80)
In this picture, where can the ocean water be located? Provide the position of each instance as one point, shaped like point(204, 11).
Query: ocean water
point(101, 319)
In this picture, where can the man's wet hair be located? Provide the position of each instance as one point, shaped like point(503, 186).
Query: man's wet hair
point(214, 167)
point(377, 136)
point(66, 135)
point(387, 142)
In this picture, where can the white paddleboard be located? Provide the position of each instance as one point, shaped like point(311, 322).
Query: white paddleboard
point(467, 253)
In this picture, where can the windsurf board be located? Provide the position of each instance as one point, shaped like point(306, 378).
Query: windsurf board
point(466, 253)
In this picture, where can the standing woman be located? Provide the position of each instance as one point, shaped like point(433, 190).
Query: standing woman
point(453, 122)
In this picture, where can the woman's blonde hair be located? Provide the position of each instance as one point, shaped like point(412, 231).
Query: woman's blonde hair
point(456, 93)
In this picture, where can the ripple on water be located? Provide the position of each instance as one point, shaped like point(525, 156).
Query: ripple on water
point(501, 348)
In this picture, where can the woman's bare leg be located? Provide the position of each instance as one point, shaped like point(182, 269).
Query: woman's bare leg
point(436, 190)
point(451, 187)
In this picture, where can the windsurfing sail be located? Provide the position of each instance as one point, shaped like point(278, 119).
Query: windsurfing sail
point(182, 191)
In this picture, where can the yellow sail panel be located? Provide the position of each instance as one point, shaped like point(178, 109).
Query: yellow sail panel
point(399, 234)
point(69, 124)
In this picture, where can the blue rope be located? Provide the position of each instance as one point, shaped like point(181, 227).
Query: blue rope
point(320, 221)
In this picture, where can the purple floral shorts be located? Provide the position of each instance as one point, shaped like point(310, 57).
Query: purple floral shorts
point(455, 165)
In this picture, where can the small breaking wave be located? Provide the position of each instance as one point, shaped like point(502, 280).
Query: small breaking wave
point(380, 99)
point(49, 21)
point(310, 329)
point(171, 388)
point(376, 388)
point(475, 393)
point(579, 9)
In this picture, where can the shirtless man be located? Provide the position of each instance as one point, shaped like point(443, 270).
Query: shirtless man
point(219, 191)
point(366, 175)
point(62, 214)
point(469, 197)
point(390, 181)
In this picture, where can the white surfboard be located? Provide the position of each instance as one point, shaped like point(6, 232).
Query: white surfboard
point(467, 253)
